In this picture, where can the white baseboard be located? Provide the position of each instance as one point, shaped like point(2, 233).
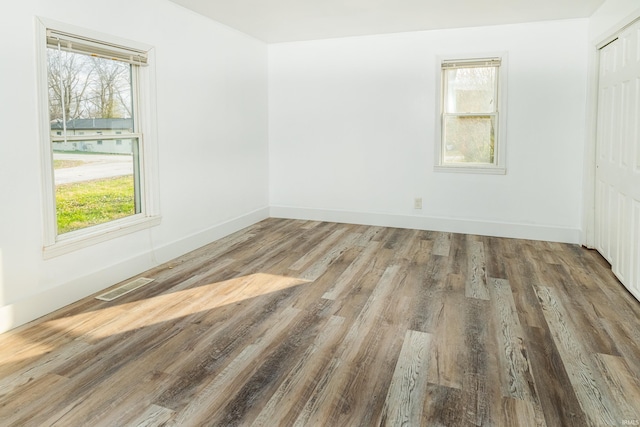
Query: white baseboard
point(28, 309)
point(197, 240)
point(452, 225)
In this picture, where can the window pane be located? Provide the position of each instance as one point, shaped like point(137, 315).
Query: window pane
point(93, 95)
point(469, 139)
point(471, 90)
point(96, 179)
point(95, 187)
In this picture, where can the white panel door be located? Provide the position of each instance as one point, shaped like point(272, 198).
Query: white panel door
point(618, 158)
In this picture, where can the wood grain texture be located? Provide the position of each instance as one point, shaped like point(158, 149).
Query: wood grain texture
point(297, 386)
point(406, 395)
point(517, 382)
point(622, 382)
point(313, 323)
point(447, 354)
point(594, 399)
point(476, 286)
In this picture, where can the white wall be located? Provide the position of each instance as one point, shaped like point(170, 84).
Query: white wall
point(351, 129)
point(212, 136)
point(611, 16)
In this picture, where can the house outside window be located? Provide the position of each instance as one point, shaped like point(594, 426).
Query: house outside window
point(471, 131)
point(95, 92)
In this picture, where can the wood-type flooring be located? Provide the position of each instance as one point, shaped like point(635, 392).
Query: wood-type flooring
point(301, 323)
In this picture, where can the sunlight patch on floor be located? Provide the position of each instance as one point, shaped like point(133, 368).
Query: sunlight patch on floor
point(120, 318)
point(15, 347)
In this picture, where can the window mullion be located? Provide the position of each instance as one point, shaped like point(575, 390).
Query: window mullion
point(492, 114)
point(93, 137)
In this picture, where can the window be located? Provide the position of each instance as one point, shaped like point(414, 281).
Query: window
point(93, 84)
point(471, 123)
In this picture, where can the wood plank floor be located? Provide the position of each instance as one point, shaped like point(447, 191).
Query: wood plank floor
point(300, 323)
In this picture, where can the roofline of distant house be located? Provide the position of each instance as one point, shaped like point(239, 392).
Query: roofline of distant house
point(94, 123)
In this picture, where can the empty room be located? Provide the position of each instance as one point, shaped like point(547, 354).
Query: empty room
point(320, 213)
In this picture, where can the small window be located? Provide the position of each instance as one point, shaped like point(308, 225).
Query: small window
point(471, 114)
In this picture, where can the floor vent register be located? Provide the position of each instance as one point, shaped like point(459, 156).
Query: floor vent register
point(124, 289)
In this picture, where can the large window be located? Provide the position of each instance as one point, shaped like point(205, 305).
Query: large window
point(94, 153)
point(471, 112)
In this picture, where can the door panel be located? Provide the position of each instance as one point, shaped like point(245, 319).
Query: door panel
point(618, 158)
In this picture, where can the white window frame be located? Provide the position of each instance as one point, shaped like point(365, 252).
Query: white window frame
point(54, 244)
point(499, 165)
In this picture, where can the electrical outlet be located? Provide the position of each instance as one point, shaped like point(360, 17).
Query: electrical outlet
point(417, 203)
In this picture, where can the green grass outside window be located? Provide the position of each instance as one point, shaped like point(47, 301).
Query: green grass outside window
point(84, 204)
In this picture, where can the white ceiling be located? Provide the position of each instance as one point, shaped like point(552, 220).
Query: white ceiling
point(276, 21)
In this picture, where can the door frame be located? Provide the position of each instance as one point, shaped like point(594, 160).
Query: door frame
point(593, 79)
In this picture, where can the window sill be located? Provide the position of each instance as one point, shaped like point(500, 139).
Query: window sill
point(488, 170)
point(77, 240)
